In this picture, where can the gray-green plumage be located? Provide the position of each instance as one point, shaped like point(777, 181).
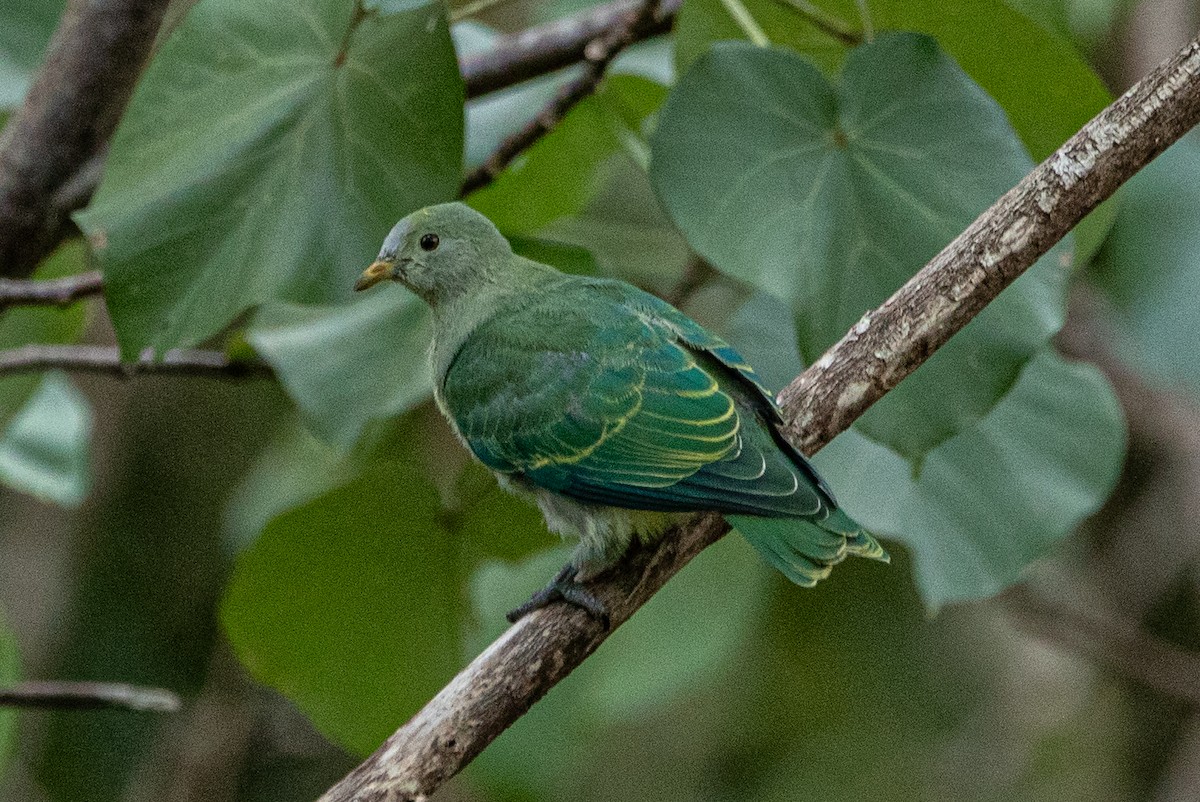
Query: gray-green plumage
point(612, 408)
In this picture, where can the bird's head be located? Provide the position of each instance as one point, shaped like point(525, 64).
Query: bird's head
point(440, 252)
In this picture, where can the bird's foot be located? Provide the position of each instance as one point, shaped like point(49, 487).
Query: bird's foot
point(563, 588)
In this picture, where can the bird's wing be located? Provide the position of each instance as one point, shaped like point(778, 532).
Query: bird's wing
point(594, 393)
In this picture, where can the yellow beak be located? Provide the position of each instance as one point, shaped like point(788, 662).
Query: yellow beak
point(377, 272)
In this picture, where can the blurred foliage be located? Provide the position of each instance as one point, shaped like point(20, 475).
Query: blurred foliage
point(35, 324)
point(23, 37)
point(315, 154)
point(332, 529)
point(861, 171)
point(44, 451)
point(1150, 266)
point(10, 672)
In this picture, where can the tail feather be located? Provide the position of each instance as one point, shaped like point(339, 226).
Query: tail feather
point(805, 551)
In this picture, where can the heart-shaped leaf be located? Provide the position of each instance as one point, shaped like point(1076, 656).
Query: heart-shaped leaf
point(266, 152)
point(999, 495)
point(830, 197)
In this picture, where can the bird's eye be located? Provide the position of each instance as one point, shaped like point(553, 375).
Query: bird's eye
point(429, 242)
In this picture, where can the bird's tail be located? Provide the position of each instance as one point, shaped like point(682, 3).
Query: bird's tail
point(806, 550)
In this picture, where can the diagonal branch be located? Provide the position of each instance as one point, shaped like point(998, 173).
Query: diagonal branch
point(72, 108)
point(105, 360)
point(599, 53)
point(89, 696)
point(503, 682)
point(1114, 641)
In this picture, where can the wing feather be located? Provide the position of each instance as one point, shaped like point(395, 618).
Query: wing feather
point(608, 395)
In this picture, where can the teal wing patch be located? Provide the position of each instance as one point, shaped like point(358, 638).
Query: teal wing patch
point(607, 395)
point(574, 391)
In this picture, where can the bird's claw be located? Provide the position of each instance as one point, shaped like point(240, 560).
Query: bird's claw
point(563, 588)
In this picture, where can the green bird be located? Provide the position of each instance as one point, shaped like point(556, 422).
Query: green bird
point(615, 411)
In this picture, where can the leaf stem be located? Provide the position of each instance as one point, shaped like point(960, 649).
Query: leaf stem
point(471, 9)
point(745, 20)
point(864, 13)
point(825, 22)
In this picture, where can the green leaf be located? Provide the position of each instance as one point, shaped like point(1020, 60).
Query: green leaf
point(830, 197)
point(25, 29)
point(999, 495)
point(556, 177)
point(700, 23)
point(45, 449)
point(41, 324)
point(348, 604)
point(1041, 81)
point(355, 604)
point(1046, 88)
point(267, 151)
point(350, 364)
point(294, 468)
point(10, 673)
point(1150, 266)
point(567, 258)
point(695, 628)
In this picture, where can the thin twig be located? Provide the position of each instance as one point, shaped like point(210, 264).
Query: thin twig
point(546, 48)
point(72, 108)
point(54, 292)
point(471, 9)
point(90, 696)
point(503, 682)
point(599, 53)
point(825, 22)
point(106, 360)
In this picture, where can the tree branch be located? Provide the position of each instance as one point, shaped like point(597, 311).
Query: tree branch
point(598, 53)
point(503, 682)
point(72, 108)
point(55, 292)
point(891, 342)
point(557, 44)
point(1121, 645)
point(89, 696)
point(106, 360)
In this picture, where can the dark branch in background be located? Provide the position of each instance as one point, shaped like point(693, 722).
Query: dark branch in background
point(55, 292)
point(557, 44)
point(502, 683)
point(106, 360)
point(1118, 644)
point(72, 108)
point(598, 54)
point(89, 696)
